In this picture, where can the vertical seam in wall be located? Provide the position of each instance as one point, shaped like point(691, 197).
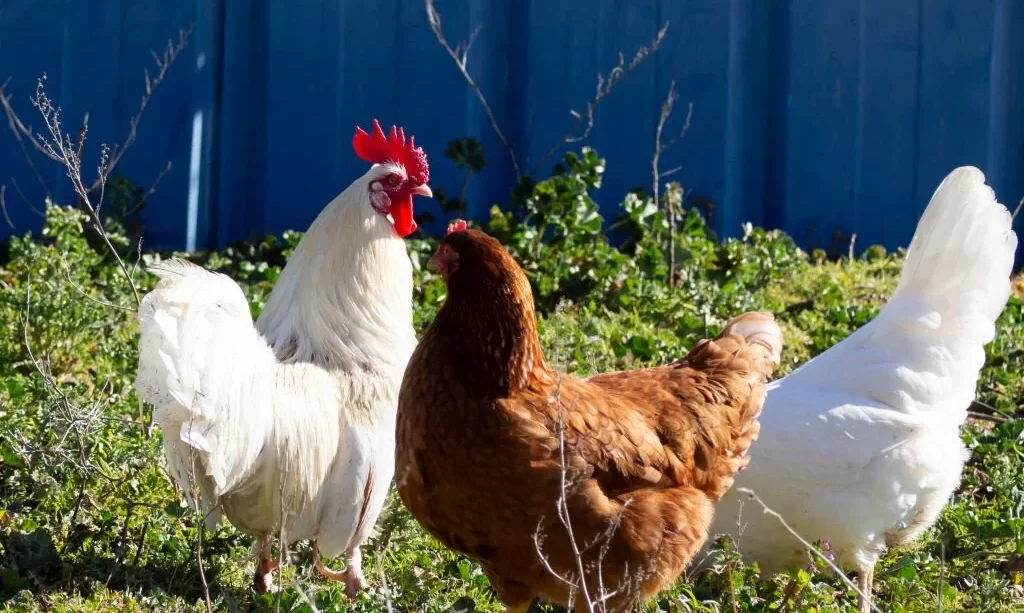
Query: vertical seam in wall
point(216, 112)
point(858, 147)
point(916, 170)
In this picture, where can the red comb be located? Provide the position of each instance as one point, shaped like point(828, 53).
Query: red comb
point(457, 226)
point(378, 149)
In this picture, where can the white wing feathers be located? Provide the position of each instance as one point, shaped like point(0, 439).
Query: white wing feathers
point(225, 404)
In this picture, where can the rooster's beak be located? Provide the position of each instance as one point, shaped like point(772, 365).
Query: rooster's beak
point(422, 190)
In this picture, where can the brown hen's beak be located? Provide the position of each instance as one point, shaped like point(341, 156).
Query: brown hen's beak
point(434, 263)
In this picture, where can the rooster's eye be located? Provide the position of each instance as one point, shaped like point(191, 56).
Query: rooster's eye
point(392, 180)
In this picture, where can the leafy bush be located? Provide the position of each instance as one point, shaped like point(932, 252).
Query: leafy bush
point(89, 522)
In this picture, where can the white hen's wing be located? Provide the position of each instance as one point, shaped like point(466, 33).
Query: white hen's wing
point(860, 445)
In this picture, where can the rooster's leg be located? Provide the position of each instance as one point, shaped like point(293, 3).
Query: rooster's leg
point(865, 579)
point(355, 582)
point(263, 580)
point(352, 576)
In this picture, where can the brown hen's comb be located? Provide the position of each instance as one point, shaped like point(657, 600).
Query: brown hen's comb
point(378, 149)
point(457, 226)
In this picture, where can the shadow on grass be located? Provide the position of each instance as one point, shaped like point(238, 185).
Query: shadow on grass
point(30, 561)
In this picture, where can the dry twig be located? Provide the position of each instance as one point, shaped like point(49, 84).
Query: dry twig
point(111, 157)
point(807, 545)
point(660, 147)
point(577, 584)
point(583, 122)
point(605, 85)
point(62, 148)
point(460, 55)
point(200, 525)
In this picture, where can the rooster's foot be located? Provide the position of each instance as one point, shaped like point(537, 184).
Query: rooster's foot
point(263, 580)
point(353, 579)
point(354, 583)
point(352, 576)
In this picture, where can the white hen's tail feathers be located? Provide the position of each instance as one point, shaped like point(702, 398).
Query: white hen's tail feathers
point(963, 248)
point(924, 351)
point(956, 278)
point(215, 383)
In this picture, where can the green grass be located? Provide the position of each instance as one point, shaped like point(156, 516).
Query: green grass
point(90, 522)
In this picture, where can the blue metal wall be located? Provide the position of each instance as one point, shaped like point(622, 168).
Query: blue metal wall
point(808, 116)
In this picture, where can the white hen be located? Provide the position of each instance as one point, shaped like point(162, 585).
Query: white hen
point(861, 445)
point(301, 406)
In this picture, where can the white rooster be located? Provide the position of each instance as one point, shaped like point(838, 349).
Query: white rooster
point(290, 424)
point(861, 445)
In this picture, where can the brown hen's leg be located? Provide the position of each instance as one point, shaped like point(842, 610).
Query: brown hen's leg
point(263, 580)
point(352, 576)
point(865, 579)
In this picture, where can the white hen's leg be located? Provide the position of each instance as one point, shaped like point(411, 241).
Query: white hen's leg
point(263, 580)
point(865, 579)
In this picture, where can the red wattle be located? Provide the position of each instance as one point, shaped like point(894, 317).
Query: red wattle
point(401, 212)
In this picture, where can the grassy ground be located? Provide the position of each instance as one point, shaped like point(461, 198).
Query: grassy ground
point(89, 521)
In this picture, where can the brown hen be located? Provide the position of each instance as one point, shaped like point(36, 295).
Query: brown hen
point(485, 428)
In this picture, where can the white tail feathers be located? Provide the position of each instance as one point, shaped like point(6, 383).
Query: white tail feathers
point(956, 279)
point(189, 322)
point(199, 358)
point(236, 422)
point(963, 248)
point(924, 351)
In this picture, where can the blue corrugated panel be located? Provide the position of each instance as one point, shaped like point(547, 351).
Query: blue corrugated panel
point(823, 119)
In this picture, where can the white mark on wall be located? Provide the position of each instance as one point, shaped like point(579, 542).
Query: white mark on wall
point(193, 181)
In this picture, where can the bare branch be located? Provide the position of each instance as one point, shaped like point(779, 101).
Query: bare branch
point(21, 131)
point(583, 119)
point(21, 134)
point(3, 206)
point(25, 199)
point(661, 147)
point(562, 504)
point(460, 55)
point(60, 147)
point(78, 288)
point(151, 190)
point(576, 581)
point(111, 158)
point(200, 525)
point(605, 84)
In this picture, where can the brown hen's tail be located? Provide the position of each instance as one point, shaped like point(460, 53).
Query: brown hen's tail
point(758, 328)
point(753, 342)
